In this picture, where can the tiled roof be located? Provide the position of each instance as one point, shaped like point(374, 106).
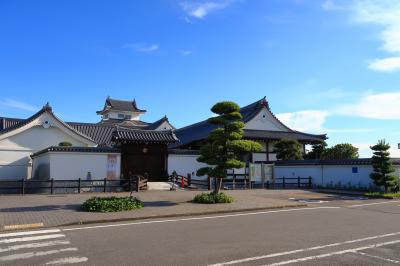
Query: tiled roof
point(76, 149)
point(359, 161)
point(101, 134)
point(133, 135)
point(125, 123)
point(201, 130)
point(183, 152)
point(120, 105)
point(158, 123)
point(6, 122)
point(47, 108)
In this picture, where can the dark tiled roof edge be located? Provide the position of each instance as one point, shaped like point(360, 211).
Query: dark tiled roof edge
point(76, 149)
point(359, 161)
point(140, 135)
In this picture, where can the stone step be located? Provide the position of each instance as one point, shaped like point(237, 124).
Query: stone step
point(158, 186)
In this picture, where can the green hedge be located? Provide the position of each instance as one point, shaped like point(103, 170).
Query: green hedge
point(211, 198)
point(382, 195)
point(111, 204)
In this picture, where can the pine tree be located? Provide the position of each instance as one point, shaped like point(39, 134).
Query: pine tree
point(340, 151)
point(383, 167)
point(224, 148)
point(288, 149)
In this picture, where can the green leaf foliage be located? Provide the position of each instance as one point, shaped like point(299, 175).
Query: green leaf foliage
point(383, 167)
point(317, 150)
point(340, 151)
point(212, 198)
point(111, 204)
point(288, 149)
point(224, 147)
point(225, 107)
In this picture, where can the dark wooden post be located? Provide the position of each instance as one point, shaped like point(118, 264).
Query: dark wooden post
point(130, 184)
point(52, 186)
point(309, 182)
point(283, 182)
point(209, 182)
point(245, 182)
point(137, 183)
point(267, 184)
point(105, 185)
point(79, 185)
point(23, 186)
point(189, 180)
point(298, 181)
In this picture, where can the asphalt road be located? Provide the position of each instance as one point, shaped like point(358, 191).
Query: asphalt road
point(343, 232)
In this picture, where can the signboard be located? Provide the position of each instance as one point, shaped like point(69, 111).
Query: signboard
point(112, 169)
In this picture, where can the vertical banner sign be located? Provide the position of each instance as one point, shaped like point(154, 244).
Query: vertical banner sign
point(112, 167)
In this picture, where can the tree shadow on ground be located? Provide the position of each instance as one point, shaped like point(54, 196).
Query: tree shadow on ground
point(73, 207)
point(159, 203)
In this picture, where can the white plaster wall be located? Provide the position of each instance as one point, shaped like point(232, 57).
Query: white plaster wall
point(184, 164)
point(331, 175)
point(41, 167)
point(164, 126)
point(73, 165)
point(16, 149)
point(114, 115)
point(265, 121)
point(259, 156)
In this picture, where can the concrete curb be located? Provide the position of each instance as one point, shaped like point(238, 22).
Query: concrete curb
point(159, 216)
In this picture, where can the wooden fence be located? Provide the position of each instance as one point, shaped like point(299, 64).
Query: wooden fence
point(52, 186)
point(240, 181)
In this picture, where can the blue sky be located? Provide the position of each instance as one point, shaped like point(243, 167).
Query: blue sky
point(325, 66)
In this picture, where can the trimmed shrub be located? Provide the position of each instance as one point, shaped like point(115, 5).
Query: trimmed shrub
point(111, 204)
point(211, 198)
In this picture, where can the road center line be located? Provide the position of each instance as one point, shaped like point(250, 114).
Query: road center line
point(304, 249)
point(196, 218)
point(332, 253)
point(375, 203)
point(377, 257)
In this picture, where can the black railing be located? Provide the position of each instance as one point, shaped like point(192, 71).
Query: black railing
point(289, 182)
point(53, 186)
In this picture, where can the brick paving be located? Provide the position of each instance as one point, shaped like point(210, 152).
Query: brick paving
point(63, 209)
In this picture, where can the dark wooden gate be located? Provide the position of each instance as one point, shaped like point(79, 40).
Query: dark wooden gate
point(141, 159)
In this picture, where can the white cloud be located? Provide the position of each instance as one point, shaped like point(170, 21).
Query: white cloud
point(186, 53)
point(201, 9)
point(307, 120)
point(19, 105)
point(365, 151)
point(141, 47)
point(330, 5)
point(377, 106)
point(385, 13)
point(389, 64)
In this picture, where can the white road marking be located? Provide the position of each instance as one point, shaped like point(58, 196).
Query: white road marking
point(69, 260)
point(304, 249)
point(196, 218)
point(30, 233)
point(332, 253)
point(35, 254)
point(31, 238)
point(35, 245)
point(377, 257)
point(375, 203)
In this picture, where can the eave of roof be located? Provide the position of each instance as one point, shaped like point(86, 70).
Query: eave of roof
point(120, 105)
point(76, 149)
point(143, 136)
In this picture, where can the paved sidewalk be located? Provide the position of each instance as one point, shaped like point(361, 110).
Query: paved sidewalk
point(56, 210)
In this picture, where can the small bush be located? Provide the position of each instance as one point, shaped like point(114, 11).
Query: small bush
point(111, 204)
point(211, 198)
point(382, 195)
